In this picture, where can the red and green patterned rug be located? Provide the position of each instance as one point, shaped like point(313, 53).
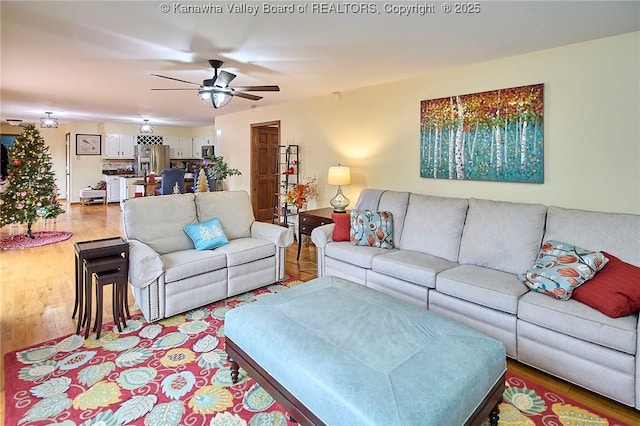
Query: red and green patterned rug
point(175, 372)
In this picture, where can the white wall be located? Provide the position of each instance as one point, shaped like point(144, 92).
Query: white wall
point(592, 130)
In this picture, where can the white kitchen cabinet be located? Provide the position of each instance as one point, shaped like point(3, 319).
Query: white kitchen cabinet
point(119, 146)
point(113, 188)
point(199, 142)
point(127, 189)
point(181, 147)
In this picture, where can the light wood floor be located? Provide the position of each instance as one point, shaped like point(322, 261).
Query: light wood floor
point(37, 291)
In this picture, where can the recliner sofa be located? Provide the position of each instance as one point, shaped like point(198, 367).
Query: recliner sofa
point(170, 276)
point(462, 257)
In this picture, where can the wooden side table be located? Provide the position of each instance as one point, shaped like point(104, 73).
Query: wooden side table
point(93, 250)
point(309, 220)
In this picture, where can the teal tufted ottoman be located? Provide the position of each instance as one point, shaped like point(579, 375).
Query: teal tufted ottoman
point(337, 353)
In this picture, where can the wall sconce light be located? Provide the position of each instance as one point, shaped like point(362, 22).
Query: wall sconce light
point(146, 127)
point(48, 122)
point(339, 176)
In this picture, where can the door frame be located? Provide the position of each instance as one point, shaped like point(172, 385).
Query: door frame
point(254, 152)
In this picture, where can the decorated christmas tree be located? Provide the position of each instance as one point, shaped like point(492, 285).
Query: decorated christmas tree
point(30, 192)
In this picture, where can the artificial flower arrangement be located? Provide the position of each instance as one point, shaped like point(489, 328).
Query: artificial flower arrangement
point(300, 193)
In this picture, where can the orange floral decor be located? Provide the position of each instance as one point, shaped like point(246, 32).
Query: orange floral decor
point(300, 193)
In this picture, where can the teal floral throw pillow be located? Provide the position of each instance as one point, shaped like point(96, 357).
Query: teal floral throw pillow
point(207, 235)
point(561, 267)
point(369, 228)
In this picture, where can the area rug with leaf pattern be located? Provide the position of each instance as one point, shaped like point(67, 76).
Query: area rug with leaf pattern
point(175, 372)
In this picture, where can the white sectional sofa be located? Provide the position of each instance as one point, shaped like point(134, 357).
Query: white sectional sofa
point(462, 257)
point(170, 276)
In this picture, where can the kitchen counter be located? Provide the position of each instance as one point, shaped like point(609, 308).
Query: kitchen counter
point(149, 188)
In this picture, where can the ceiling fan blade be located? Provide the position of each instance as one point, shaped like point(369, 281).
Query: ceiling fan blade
point(225, 78)
point(176, 89)
point(246, 96)
point(209, 82)
point(258, 88)
point(175, 79)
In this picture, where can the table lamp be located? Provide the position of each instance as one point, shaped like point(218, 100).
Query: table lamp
point(339, 175)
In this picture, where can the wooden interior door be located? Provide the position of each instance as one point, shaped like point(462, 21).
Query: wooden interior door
point(265, 138)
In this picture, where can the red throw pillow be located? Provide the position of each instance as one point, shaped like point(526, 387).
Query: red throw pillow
point(614, 290)
point(343, 225)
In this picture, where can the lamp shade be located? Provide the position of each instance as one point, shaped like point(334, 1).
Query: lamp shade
point(339, 175)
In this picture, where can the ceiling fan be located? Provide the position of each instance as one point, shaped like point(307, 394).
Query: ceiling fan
point(217, 89)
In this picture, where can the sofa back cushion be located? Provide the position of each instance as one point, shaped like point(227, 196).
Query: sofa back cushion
point(396, 203)
point(158, 221)
point(502, 235)
point(232, 208)
point(615, 233)
point(433, 225)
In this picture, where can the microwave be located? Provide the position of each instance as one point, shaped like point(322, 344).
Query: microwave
point(208, 151)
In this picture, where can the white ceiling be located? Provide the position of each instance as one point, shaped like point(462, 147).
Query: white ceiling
point(92, 60)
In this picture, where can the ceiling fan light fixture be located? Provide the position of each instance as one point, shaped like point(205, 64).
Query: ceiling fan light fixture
point(146, 127)
point(205, 95)
point(220, 99)
point(48, 122)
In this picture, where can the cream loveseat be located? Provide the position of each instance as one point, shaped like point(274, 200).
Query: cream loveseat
point(170, 276)
point(462, 257)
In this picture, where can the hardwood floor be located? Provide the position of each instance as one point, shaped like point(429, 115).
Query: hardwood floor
point(37, 291)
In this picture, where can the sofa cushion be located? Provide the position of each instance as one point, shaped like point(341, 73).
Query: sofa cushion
point(342, 226)
point(579, 320)
point(396, 203)
point(373, 229)
point(183, 264)
point(433, 225)
point(615, 233)
point(158, 221)
point(411, 266)
point(502, 235)
point(206, 235)
point(233, 208)
point(483, 286)
point(361, 256)
point(560, 268)
point(245, 250)
point(614, 291)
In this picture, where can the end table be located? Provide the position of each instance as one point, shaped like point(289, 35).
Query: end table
point(309, 220)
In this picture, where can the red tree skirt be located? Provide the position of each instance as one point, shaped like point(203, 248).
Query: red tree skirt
point(41, 239)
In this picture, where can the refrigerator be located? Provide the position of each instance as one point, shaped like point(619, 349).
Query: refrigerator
point(151, 158)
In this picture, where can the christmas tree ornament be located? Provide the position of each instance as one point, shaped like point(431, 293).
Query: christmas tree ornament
point(17, 162)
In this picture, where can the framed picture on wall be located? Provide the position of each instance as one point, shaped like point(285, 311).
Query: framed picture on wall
point(88, 144)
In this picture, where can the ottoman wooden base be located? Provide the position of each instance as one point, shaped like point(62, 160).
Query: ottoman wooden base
point(334, 352)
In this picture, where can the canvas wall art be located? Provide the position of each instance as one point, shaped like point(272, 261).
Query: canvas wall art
point(489, 136)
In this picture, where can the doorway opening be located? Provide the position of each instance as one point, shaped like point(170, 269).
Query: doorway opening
point(265, 139)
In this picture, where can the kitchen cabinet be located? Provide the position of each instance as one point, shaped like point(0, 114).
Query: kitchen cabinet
point(199, 142)
point(119, 146)
point(181, 147)
point(127, 189)
point(113, 188)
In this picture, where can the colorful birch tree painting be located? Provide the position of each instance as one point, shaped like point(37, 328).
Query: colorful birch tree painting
point(496, 136)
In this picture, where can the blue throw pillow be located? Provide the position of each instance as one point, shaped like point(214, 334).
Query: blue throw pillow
point(369, 228)
point(207, 235)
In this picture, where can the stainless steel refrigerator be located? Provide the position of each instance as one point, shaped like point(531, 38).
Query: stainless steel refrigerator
point(151, 158)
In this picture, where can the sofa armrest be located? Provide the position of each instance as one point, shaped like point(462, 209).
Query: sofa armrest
point(145, 264)
point(279, 235)
point(322, 235)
